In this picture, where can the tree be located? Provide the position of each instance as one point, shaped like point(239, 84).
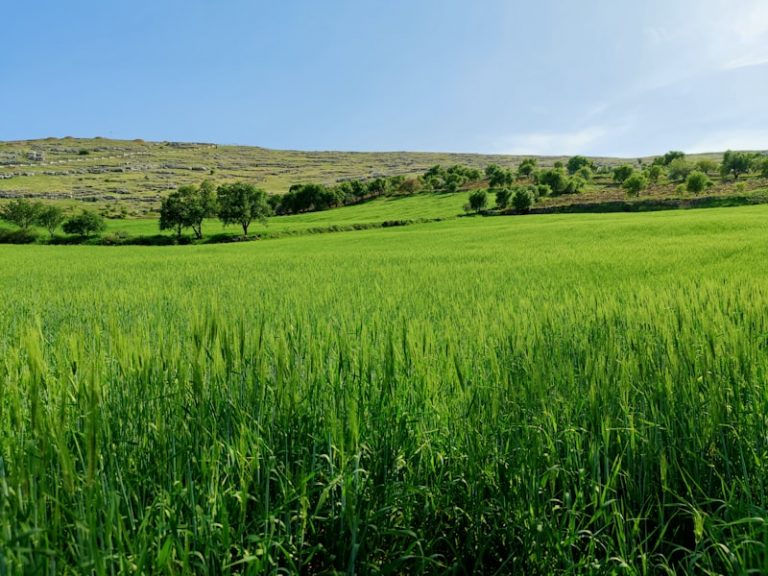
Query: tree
point(736, 163)
point(50, 218)
point(503, 196)
point(498, 177)
point(762, 166)
point(679, 169)
point(555, 178)
point(522, 200)
point(621, 173)
point(173, 213)
point(241, 203)
point(706, 165)
point(697, 181)
point(21, 212)
point(188, 207)
point(672, 155)
point(478, 200)
point(585, 173)
point(527, 167)
point(655, 172)
point(200, 204)
point(635, 184)
point(576, 163)
point(85, 224)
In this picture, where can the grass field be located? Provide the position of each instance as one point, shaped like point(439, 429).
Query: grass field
point(558, 393)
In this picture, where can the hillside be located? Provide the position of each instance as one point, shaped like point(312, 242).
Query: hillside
point(136, 173)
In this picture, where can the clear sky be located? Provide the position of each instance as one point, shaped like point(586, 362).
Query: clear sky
point(606, 77)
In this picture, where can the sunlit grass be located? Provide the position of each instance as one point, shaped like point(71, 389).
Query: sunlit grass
point(574, 393)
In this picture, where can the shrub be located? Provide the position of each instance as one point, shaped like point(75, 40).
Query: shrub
point(503, 196)
point(621, 173)
point(679, 169)
point(21, 212)
point(522, 200)
point(635, 184)
point(85, 224)
point(478, 200)
point(697, 181)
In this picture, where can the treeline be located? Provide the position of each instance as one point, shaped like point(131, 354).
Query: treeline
point(314, 197)
point(25, 214)
point(236, 203)
point(689, 176)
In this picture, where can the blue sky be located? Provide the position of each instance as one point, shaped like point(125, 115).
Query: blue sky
point(604, 77)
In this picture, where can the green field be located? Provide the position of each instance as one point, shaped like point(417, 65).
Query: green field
point(557, 393)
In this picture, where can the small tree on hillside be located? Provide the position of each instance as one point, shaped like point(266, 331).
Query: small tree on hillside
point(85, 224)
point(21, 212)
point(706, 165)
point(242, 203)
point(635, 184)
point(527, 167)
point(655, 171)
point(679, 169)
point(50, 218)
point(621, 173)
point(523, 200)
point(697, 182)
point(736, 163)
point(762, 167)
point(576, 163)
point(497, 176)
point(478, 200)
point(503, 196)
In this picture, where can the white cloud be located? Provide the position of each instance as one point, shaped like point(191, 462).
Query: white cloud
point(552, 143)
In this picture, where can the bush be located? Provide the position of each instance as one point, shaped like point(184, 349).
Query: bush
point(503, 196)
point(21, 212)
point(85, 224)
point(635, 184)
point(522, 200)
point(478, 200)
point(697, 181)
point(621, 173)
point(679, 169)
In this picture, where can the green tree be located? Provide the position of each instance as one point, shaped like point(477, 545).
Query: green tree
point(762, 167)
point(21, 212)
point(241, 203)
point(697, 181)
point(736, 163)
point(497, 176)
point(706, 165)
point(50, 218)
point(655, 171)
point(173, 214)
point(188, 207)
point(503, 196)
point(576, 163)
point(678, 169)
point(621, 173)
point(527, 167)
point(522, 200)
point(672, 155)
point(635, 184)
point(85, 224)
point(555, 178)
point(585, 173)
point(478, 200)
